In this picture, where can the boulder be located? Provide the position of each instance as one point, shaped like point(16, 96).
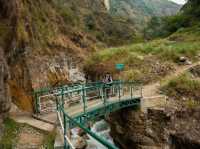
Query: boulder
point(185, 60)
point(182, 59)
point(80, 143)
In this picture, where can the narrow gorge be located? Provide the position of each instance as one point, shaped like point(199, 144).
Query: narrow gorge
point(67, 64)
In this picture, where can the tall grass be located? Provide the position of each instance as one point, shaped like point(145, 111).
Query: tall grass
point(139, 57)
point(182, 86)
point(9, 137)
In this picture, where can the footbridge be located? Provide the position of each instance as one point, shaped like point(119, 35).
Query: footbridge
point(79, 104)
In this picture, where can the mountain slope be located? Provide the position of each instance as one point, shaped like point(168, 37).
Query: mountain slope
point(42, 40)
point(46, 41)
point(139, 11)
point(191, 12)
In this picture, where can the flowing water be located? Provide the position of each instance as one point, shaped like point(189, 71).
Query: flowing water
point(102, 129)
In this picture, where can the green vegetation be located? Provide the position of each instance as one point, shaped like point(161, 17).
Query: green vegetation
point(49, 140)
point(183, 87)
point(147, 61)
point(192, 103)
point(11, 131)
point(95, 21)
point(140, 11)
point(165, 26)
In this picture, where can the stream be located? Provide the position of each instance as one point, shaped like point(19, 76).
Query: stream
point(102, 129)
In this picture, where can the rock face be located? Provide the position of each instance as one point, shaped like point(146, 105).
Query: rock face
point(4, 88)
point(161, 128)
point(46, 41)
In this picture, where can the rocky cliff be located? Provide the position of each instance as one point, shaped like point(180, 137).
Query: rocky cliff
point(46, 41)
point(159, 128)
point(5, 98)
point(4, 88)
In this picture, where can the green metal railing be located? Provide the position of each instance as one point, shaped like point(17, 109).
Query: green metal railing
point(115, 87)
point(110, 97)
point(67, 119)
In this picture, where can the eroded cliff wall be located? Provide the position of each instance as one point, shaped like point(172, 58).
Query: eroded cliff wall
point(159, 128)
point(46, 41)
point(4, 88)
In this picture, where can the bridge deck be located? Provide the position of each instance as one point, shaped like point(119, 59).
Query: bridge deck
point(79, 104)
point(92, 104)
point(77, 108)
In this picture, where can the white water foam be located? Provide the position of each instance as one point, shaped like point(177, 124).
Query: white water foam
point(101, 128)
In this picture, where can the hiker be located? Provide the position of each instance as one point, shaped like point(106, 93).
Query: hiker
point(108, 83)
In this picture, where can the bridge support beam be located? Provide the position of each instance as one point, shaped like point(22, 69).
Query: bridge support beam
point(84, 100)
point(65, 132)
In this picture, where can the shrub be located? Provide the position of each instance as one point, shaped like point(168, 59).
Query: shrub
point(10, 134)
point(192, 103)
point(183, 86)
point(69, 16)
point(173, 23)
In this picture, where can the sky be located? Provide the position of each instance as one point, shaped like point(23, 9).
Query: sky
point(179, 1)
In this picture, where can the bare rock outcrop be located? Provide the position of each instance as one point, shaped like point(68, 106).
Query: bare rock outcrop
point(159, 128)
point(4, 88)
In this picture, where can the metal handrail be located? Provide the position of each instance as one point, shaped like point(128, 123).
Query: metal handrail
point(67, 122)
point(93, 135)
point(79, 88)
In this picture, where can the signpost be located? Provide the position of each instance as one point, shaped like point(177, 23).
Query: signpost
point(119, 67)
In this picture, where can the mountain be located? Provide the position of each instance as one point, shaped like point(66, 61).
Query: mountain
point(191, 11)
point(43, 39)
point(140, 11)
point(189, 16)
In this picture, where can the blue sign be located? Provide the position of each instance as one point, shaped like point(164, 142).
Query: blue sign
point(119, 66)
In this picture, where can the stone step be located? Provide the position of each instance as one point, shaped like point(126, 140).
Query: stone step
point(50, 117)
point(34, 123)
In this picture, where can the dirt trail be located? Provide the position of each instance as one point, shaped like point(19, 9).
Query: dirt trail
point(153, 89)
point(152, 97)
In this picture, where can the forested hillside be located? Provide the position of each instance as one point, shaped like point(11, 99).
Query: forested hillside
point(140, 11)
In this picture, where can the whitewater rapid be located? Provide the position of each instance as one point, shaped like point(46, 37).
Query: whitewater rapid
point(102, 129)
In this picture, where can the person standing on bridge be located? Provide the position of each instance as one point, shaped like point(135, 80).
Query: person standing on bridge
point(108, 83)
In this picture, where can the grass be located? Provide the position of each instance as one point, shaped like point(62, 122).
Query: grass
point(10, 134)
point(49, 140)
point(141, 59)
point(192, 103)
point(170, 49)
point(12, 130)
point(183, 87)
